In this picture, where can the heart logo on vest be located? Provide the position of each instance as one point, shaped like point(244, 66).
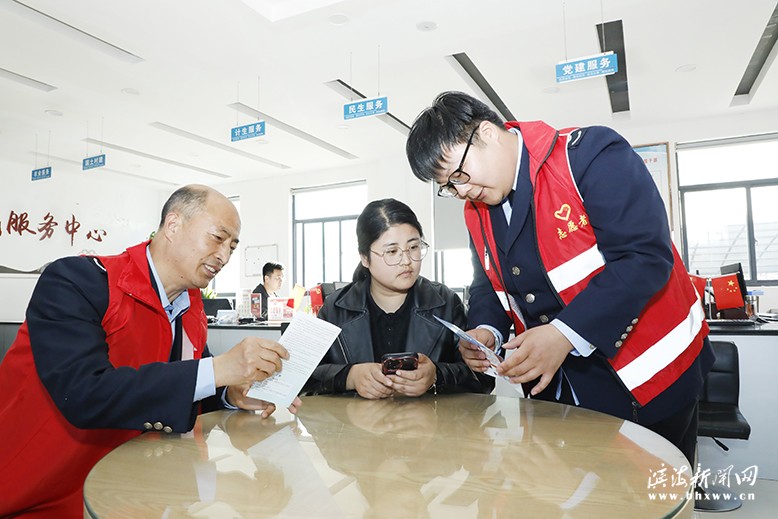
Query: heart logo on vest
point(563, 213)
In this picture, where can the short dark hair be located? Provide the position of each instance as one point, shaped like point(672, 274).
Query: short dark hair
point(449, 121)
point(375, 219)
point(187, 200)
point(270, 267)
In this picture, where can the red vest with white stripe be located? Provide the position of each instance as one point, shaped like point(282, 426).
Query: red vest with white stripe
point(49, 456)
point(669, 332)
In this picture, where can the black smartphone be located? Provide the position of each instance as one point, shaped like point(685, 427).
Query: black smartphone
point(391, 362)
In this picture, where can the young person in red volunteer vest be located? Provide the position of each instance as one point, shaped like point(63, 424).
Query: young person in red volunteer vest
point(116, 345)
point(571, 247)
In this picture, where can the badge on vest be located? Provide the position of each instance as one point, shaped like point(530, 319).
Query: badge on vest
point(572, 225)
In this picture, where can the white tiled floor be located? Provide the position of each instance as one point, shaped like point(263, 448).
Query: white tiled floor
point(763, 506)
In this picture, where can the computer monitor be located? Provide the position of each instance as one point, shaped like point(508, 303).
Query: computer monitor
point(212, 306)
point(329, 288)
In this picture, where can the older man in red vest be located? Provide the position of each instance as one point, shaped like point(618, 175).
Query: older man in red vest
point(113, 346)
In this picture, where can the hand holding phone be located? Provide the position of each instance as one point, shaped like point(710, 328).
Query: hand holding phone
point(393, 362)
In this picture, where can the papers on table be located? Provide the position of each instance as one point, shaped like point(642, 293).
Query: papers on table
point(306, 339)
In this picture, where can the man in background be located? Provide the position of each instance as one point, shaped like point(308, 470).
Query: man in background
point(116, 345)
point(272, 279)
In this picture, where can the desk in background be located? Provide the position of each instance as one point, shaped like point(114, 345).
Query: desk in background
point(223, 337)
point(758, 352)
point(220, 338)
point(446, 456)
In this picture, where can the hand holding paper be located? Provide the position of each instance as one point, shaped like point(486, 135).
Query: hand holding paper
point(491, 356)
point(307, 340)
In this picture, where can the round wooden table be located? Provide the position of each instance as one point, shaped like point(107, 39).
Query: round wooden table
point(446, 456)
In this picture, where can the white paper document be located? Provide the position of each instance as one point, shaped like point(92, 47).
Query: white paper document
point(307, 340)
point(491, 356)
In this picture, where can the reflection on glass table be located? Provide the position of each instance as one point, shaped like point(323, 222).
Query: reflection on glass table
point(445, 456)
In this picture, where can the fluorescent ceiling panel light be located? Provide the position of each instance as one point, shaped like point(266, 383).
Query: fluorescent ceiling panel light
point(26, 81)
point(68, 30)
point(477, 82)
point(350, 93)
point(618, 86)
point(154, 157)
point(107, 170)
point(760, 61)
point(245, 109)
point(216, 144)
point(275, 10)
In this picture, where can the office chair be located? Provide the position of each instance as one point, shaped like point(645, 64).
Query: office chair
point(212, 306)
point(720, 416)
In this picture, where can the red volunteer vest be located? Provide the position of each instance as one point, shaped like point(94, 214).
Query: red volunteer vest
point(669, 332)
point(46, 456)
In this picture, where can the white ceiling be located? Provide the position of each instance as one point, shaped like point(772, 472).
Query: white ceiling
point(199, 57)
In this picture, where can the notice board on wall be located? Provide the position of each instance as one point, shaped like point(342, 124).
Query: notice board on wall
point(656, 157)
point(255, 257)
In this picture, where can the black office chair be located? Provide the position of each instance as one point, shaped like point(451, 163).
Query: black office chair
point(720, 416)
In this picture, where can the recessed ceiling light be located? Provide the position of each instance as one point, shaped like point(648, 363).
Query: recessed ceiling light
point(338, 19)
point(131, 91)
point(53, 113)
point(689, 67)
point(426, 26)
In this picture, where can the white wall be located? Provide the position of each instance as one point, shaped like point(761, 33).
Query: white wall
point(266, 205)
point(127, 210)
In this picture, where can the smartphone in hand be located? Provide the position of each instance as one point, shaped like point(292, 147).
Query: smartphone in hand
point(392, 362)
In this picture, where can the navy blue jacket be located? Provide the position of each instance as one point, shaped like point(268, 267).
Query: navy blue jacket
point(630, 223)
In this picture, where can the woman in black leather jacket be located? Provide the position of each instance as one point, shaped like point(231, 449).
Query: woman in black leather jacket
point(390, 308)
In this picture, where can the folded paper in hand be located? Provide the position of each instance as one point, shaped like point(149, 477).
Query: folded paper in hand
point(491, 356)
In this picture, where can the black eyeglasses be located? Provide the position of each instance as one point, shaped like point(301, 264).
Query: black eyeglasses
point(458, 177)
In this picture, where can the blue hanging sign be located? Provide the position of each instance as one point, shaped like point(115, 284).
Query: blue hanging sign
point(603, 64)
point(365, 108)
point(248, 131)
point(39, 174)
point(98, 161)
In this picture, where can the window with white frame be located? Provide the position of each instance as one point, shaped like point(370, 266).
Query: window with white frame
point(728, 192)
point(324, 229)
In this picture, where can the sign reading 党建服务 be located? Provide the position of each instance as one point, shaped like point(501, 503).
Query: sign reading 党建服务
point(248, 131)
point(603, 64)
point(365, 108)
point(98, 161)
point(41, 173)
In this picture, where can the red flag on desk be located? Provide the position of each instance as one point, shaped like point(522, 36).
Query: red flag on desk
point(699, 283)
point(317, 299)
point(726, 290)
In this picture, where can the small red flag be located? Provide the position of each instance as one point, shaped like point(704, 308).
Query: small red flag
point(726, 290)
point(317, 299)
point(699, 283)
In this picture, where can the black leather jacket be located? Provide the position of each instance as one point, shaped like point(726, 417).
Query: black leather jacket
point(347, 308)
